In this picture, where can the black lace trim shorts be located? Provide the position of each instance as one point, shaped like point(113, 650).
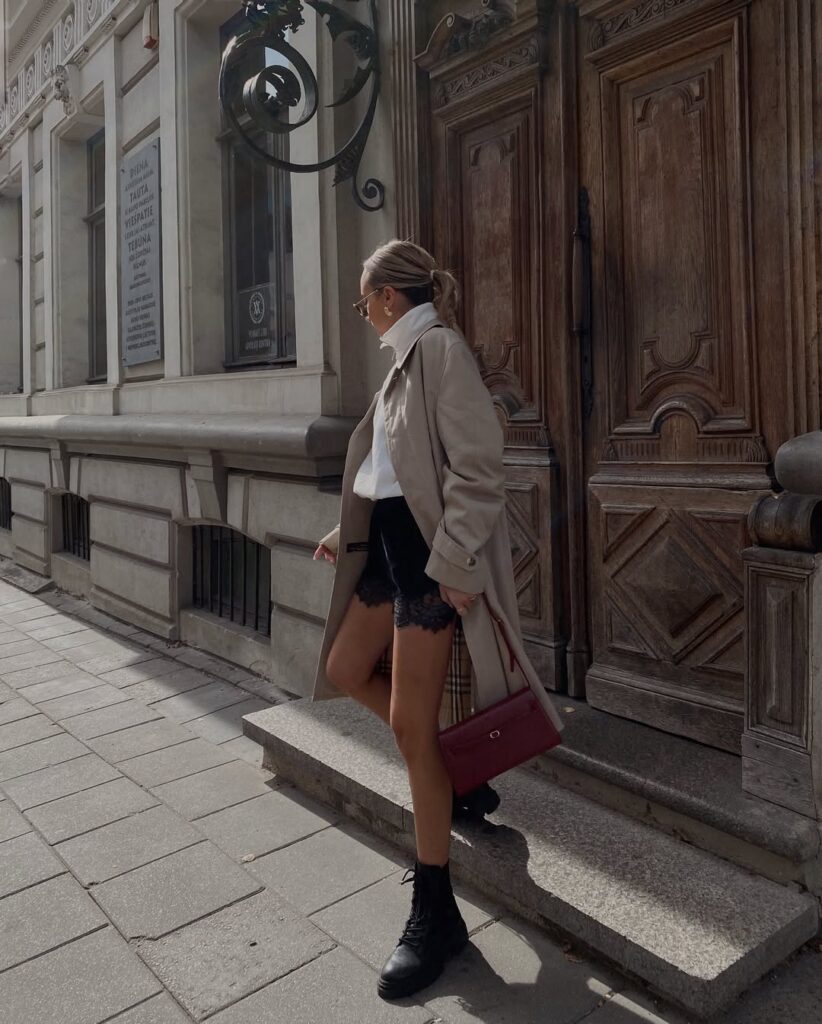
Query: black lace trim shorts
point(395, 569)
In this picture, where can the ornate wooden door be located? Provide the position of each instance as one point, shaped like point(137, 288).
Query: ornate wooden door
point(483, 76)
point(620, 186)
point(688, 381)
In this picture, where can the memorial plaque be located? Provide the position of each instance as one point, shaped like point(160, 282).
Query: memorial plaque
point(141, 277)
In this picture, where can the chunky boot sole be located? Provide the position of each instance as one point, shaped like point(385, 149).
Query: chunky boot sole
point(422, 979)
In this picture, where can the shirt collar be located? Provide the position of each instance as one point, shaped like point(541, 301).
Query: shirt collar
point(402, 335)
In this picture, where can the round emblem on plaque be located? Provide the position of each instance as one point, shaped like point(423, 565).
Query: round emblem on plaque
point(256, 307)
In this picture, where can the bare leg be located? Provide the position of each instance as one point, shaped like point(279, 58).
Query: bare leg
point(421, 659)
point(364, 634)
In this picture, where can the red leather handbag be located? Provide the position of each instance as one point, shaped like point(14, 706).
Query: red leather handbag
point(503, 735)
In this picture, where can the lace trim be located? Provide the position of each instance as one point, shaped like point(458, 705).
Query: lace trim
point(428, 611)
point(373, 590)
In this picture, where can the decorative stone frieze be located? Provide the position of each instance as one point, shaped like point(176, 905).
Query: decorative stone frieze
point(64, 43)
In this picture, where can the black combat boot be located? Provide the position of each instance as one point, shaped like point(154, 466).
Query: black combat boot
point(474, 805)
point(434, 932)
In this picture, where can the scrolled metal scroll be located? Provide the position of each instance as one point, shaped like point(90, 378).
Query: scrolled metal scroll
point(270, 97)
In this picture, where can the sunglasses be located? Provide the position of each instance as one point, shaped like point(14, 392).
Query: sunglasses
point(361, 305)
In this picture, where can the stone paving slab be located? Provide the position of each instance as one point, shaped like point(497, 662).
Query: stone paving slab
point(70, 640)
point(227, 723)
point(151, 669)
point(43, 917)
point(12, 822)
point(246, 749)
point(512, 973)
point(181, 680)
point(25, 861)
point(63, 627)
point(213, 789)
point(41, 674)
point(118, 716)
point(199, 702)
point(110, 661)
point(14, 710)
point(324, 868)
point(26, 730)
point(174, 762)
point(176, 890)
point(34, 659)
point(72, 815)
point(370, 921)
point(94, 649)
point(139, 739)
point(71, 704)
point(73, 682)
point(336, 987)
point(25, 645)
point(10, 635)
point(42, 754)
point(84, 982)
point(61, 780)
point(266, 823)
point(127, 844)
point(161, 1009)
point(228, 955)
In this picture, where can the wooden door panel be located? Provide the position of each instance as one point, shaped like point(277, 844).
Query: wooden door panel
point(486, 161)
point(675, 455)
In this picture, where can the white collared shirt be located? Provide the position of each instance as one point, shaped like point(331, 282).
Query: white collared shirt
point(376, 477)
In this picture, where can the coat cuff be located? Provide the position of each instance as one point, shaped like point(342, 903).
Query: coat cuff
point(332, 540)
point(454, 566)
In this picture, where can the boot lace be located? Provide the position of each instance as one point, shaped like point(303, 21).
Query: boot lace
point(416, 926)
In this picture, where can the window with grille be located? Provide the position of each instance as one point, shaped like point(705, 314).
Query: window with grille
point(232, 577)
point(5, 504)
point(76, 531)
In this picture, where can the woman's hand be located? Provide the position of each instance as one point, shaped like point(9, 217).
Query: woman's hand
point(459, 600)
point(324, 552)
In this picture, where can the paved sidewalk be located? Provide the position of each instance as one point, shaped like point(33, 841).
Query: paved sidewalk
point(151, 872)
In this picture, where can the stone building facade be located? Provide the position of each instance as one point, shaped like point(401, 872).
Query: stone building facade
point(125, 473)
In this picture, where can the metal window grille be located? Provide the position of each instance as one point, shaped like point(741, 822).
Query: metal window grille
point(76, 526)
point(232, 577)
point(5, 504)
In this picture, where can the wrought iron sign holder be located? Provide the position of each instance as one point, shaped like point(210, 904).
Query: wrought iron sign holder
point(267, 101)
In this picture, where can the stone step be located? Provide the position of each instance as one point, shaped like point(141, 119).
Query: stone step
point(699, 930)
point(682, 787)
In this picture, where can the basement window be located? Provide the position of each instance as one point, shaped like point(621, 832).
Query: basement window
point(231, 577)
point(76, 532)
point(5, 504)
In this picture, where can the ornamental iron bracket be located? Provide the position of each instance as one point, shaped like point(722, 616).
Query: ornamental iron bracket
point(284, 95)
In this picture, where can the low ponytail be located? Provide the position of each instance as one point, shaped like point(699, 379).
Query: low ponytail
point(446, 296)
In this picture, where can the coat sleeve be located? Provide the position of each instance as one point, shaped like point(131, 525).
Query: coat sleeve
point(474, 477)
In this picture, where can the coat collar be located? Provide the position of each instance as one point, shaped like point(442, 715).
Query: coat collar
point(406, 332)
point(435, 322)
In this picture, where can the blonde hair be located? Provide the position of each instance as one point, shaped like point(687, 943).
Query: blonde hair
point(413, 270)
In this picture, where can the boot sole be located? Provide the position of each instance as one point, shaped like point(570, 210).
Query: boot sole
point(408, 986)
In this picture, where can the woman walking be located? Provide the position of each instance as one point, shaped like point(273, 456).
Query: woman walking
point(421, 536)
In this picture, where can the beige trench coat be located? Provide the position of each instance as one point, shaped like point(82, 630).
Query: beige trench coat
point(446, 446)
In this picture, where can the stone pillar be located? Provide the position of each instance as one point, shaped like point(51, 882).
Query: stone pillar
point(782, 740)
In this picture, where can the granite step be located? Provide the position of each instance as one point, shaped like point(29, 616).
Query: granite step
point(697, 929)
point(681, 786)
